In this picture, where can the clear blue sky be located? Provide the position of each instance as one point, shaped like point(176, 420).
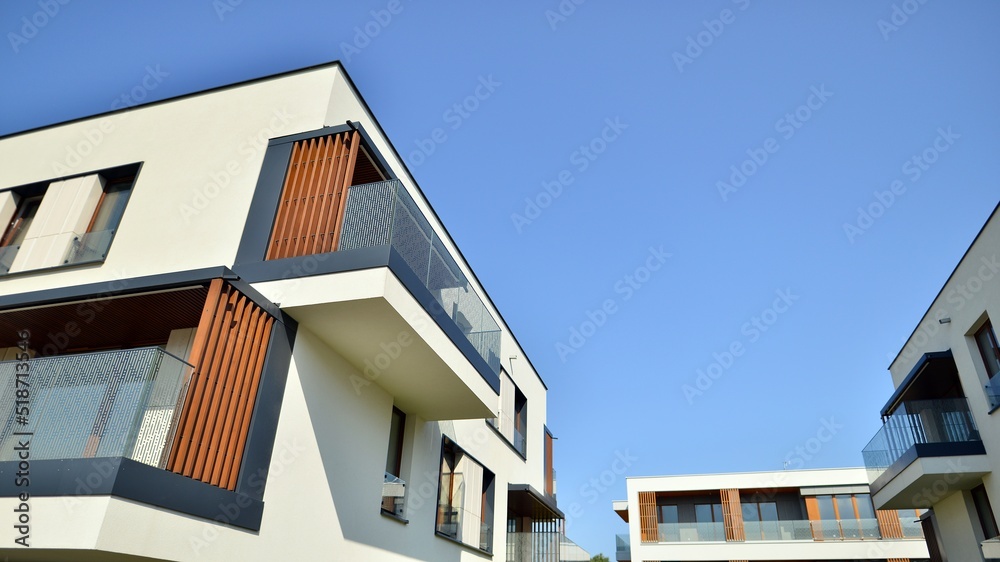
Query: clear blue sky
point(838, 103)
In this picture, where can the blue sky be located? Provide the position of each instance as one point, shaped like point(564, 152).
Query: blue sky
point(681, 168)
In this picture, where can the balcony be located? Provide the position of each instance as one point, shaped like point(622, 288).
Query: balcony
point(105, 404)
point(623, 548)
point(924, 443)
point(368, 298)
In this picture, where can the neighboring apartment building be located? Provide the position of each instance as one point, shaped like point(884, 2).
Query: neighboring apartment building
point(765, 516)
point(940, 438)
point(234, 329)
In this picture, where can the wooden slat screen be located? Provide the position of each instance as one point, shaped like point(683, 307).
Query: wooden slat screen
point(732, 515)
point(898, 560)
point(812, 511)
point(648, 528)
point(228, 356)
point(889, 524)
point(313, 198)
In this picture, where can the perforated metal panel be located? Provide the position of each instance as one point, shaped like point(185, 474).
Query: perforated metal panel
point(92, 404)
point(368, 215)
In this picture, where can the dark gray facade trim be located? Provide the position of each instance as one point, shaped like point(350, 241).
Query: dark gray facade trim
point(251, 266)
point(115, 287)
point(128, 479)
point(260, 443)
point(539, 497)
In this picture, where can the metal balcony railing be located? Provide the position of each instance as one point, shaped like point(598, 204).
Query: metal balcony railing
point(383, 213)
point(105, 404)
point(916, 422)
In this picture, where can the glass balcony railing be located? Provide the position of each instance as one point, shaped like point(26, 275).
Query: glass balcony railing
point(912, 529)
point(505, 425)
point(393, 494)
point(465, 526)
point(7, 255)
point(778, 531)
point(916, 422)
point(91, 246)
point(105, 404)
point(623, 547)
point(383, 213)
point(846, 530)
point(691, 532)
point(993, 392)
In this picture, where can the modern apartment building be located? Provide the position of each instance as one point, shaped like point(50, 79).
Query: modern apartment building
point(233, 328)
point(765, 516)
point(940, 438)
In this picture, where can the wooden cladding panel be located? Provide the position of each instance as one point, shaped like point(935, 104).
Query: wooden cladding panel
point(549, 474)
point(228, 355)
point(889, 524)
point(732, 515)
point(648, 528)
point(314, 196)
point(898, 560)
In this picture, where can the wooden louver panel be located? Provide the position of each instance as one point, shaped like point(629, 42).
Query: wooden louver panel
point(313, 198)
point(228, 356)
point(647, 517)
point(889, 524)
point(732, 515)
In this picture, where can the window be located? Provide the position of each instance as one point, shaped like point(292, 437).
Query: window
point(465, 498)
point(986, 338)
point(520, 421)
point(18, 227)
point(512, 423)
point(667, 514)
point(13, 235)
point(393, 486)
point(985, 512)
point(842, 516)
point(66, 221)
point(93, 245)
point(708, 513)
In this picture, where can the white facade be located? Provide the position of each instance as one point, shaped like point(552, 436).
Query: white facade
point(764, 516)
point(945, 404)
point(363, 342)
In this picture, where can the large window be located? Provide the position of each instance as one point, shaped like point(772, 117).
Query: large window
point(393, 486)
point(67, 221)
point(94, 243)
point(842, 517)
point(985, 512)
point(988, 348)
point(465, 498)
point(512, 423)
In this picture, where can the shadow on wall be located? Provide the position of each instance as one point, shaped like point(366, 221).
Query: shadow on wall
point(352, 431)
